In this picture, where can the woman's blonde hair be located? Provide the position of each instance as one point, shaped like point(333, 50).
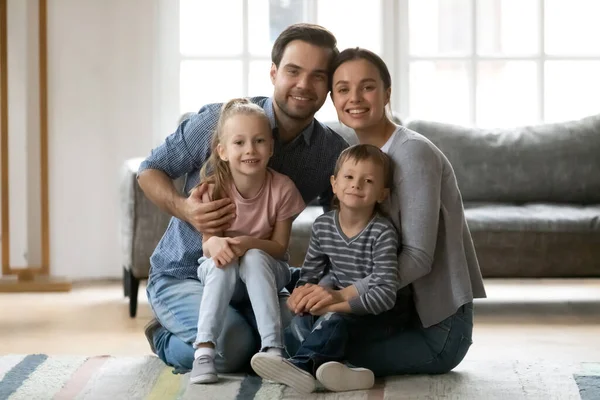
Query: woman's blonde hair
point(215, 170)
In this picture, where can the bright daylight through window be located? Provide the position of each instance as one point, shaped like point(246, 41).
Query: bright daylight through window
point(489, 63)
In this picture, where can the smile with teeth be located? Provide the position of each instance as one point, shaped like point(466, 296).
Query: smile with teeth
point(358, 111)
point(300, 98)
point(250, 161)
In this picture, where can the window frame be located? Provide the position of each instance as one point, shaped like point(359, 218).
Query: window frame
point(394, 51)
point(540, 57)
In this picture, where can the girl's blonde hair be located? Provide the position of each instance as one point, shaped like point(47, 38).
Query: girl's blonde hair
point(215, 170)
point(362, 152)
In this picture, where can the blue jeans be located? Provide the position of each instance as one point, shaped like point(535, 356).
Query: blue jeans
point(437, 349)
point(325, 338)
point(256, 276)
point(176, 304)
point(417, 350)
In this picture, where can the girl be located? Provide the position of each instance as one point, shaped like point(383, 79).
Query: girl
point(247, 260)
point(359, 247)
point(437, 260)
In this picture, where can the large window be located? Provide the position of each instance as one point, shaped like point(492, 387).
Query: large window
point(477, 62)
point(230, 57)
point(502, 62)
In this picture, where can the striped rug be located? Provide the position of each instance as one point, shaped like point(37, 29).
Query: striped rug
point(42, 377)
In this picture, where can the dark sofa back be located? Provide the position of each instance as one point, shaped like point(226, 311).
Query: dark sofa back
point(544, 163)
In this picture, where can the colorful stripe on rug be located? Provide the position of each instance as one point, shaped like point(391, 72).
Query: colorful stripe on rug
point(38, 376)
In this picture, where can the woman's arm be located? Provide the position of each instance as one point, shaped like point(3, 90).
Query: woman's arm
point(418, 182)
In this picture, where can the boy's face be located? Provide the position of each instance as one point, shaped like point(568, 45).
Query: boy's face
point(300, 81)
point(359, 184)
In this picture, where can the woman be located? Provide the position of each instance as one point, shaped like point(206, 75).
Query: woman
point(437, 261)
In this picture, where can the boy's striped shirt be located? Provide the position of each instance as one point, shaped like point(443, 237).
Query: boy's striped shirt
point(368, 260)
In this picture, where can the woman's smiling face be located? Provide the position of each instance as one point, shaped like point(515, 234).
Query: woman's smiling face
point(358, 94)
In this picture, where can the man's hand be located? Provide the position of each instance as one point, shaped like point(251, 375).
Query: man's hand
point(207, 217)
point(220, 250)
point(311, 298)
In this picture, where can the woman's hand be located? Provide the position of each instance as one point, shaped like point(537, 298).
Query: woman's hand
point(311, 298)
point(220, 249)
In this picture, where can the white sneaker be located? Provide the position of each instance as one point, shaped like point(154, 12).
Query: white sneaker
point(203, 370)
point(279, 370)
point(338, 377)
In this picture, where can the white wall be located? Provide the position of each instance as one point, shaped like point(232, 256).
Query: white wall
point(101, 100)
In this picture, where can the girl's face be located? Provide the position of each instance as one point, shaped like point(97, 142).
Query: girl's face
point(359, 184)
point(358, 94)
point(246, 144)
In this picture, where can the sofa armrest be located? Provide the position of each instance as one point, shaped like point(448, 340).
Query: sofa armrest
point(142, 223)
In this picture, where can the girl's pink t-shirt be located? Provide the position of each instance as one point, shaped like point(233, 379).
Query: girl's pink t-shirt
point(277, 200)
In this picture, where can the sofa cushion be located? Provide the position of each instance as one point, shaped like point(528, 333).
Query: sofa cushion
point(544, 163)
point(530, 254)
point(301, 230)
point(533, 217)
point(536, 240)
point(142, 223)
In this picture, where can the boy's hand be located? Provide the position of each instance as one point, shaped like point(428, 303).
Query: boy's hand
point(311, 298)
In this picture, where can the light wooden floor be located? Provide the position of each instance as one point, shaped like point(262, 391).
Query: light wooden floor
point(547, 319)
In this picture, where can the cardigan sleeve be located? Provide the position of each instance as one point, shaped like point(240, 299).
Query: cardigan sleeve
point(418, 180)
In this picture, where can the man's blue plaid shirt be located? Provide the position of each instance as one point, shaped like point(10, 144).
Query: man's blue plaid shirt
point(308, 160)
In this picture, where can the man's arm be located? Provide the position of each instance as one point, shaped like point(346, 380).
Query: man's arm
point(182, 152)
point(159, 188)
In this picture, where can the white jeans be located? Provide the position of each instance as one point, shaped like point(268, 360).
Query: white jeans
point(257, 276)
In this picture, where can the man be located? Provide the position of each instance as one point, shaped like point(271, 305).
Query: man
point(305, 150)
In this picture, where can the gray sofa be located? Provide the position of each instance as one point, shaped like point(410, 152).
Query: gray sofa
point(531, 194)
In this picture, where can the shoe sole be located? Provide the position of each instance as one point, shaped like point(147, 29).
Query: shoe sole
point(337, 377)
point(206, 378)
point(149, 328)
point(279, 370)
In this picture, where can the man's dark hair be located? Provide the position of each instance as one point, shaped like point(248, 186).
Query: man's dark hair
point(310, 33)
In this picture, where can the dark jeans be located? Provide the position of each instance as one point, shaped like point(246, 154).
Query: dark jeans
point(326, 338)
point(417, 350)
point(412, 349)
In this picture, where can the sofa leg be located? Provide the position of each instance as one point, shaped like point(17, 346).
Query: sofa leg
point(126, 282)
point(134, 284)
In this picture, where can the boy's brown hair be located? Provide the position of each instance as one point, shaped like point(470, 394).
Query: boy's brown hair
point(362, 152)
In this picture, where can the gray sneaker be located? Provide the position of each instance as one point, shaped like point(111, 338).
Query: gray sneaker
point(203, 370)
point(338, 377)
point(279, 370)
point(149, 330)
